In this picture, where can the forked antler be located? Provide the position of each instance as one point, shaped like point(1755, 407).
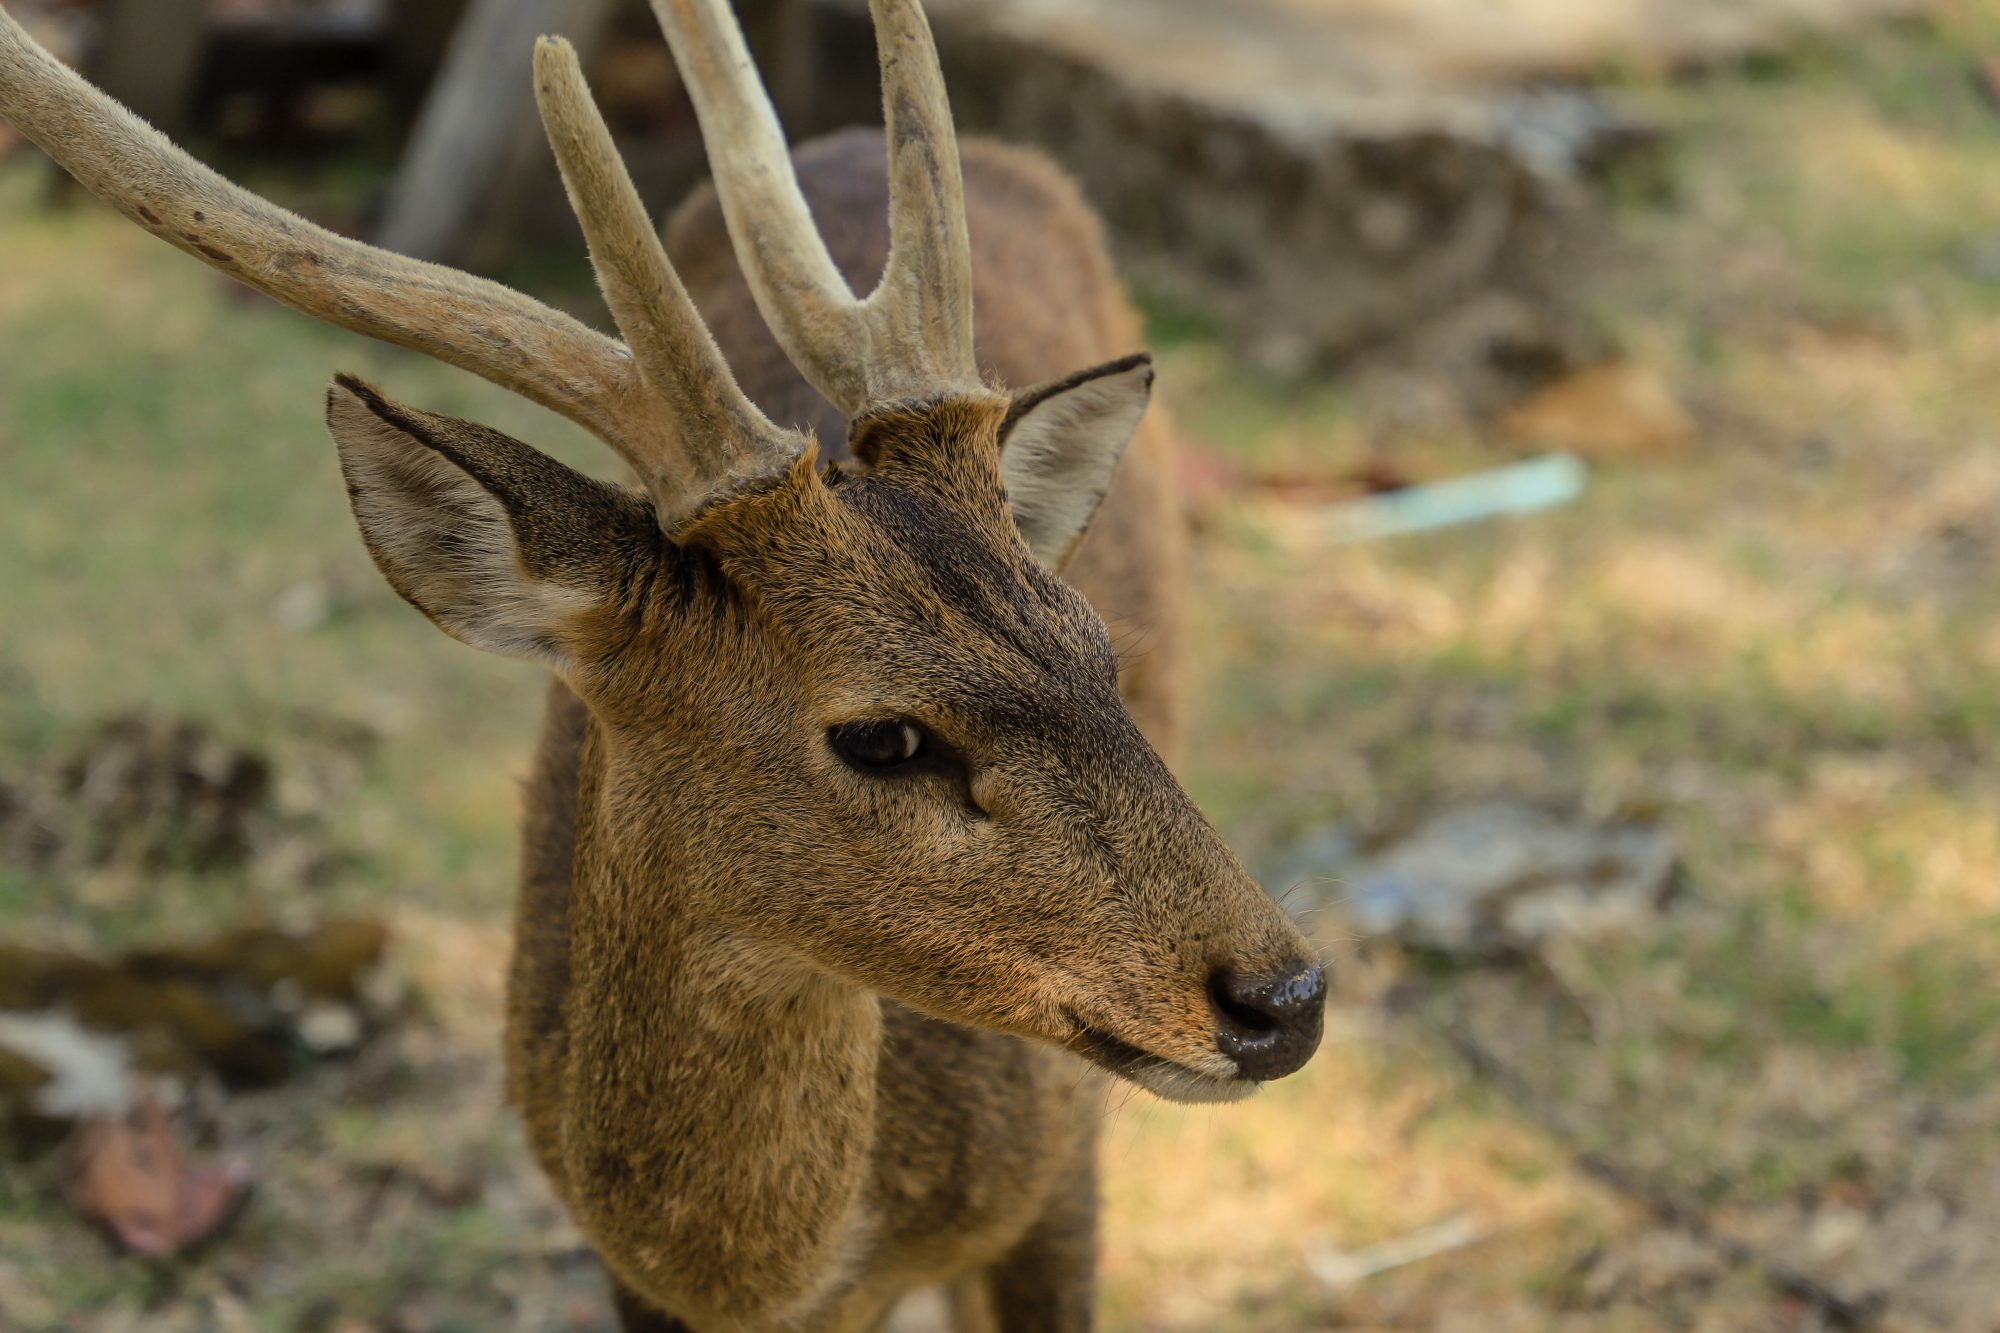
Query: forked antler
point(721, 435)
point(669, 405)
point(913, 335)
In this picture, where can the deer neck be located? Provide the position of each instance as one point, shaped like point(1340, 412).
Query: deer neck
point(720, 1113)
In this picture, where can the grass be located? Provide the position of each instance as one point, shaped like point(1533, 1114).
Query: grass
point(170, 483)
point(1785, 643)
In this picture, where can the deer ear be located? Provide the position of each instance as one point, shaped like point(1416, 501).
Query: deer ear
point(500, 545)
point(1060, 444)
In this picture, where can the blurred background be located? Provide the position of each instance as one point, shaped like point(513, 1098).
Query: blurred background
point(1589, 411)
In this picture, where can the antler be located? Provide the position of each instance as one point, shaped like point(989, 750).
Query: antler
point(670, 407)
point(723, 437)
point(913, 334)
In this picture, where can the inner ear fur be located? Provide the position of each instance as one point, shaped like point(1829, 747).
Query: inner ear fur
point(1060, 445)
point(498, 544)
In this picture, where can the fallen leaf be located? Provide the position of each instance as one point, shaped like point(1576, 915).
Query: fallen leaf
point(1615, 410)
point(132, 1174)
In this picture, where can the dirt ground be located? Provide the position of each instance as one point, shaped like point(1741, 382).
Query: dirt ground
point(1776, 632)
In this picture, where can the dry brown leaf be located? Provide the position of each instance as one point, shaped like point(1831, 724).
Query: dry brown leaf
point(1615, 410)
point(133, 1174)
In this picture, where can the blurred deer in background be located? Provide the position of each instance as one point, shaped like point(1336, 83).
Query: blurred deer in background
point(845, 838)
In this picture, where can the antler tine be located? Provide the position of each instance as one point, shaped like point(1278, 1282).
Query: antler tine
point(803, 298)
point(480, 326)
point(925, 297)
point(914, 333)
point(723, 438)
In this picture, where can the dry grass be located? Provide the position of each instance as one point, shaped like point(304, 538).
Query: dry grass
point(1785, 643)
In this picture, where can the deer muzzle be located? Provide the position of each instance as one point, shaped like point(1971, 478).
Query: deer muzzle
point(1269, 1025)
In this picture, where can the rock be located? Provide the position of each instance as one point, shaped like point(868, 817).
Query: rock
point(1503, 877)
point(31, 978)
point(1335, 180)
point(328, 1028)
point(184, 1028)
point(54, 1068)
point(247, 1006)
point(328, 961)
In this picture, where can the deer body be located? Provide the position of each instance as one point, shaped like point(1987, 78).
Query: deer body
point(764, 1148)
point(850, 859)
point(953, 1150)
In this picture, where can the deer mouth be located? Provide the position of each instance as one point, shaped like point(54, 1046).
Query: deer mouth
point(1157, 1074)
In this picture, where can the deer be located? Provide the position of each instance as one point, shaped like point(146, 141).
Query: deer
point(852, 873)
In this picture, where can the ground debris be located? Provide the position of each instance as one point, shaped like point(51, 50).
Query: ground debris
point(1522, 487)
point(133, 1174)
point(154, 790)
point(53, 1068)
point(1807, 1172)
point(1402, 183)
point(1616, 410)
point(148, 792)
point(119, 1102)
point(247, 1006)
point(1343, 1268)
point(1831, 1298)
point(1501, 877)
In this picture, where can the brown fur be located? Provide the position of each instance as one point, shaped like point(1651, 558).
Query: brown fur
point(1046, 302)
point(793, 1032)
point(755, 1145)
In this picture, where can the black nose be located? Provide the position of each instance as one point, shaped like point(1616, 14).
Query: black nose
point(1268, 1025)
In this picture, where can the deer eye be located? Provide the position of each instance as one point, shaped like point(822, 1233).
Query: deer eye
point(873, 747)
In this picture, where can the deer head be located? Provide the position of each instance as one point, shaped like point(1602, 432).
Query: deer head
point(848, 713)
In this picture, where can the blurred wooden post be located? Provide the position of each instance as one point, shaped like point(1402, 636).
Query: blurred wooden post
point(150, 56)
point(478, 134)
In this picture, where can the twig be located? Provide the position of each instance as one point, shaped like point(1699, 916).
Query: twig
point(1846, 1312)
point(1343, 1268)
